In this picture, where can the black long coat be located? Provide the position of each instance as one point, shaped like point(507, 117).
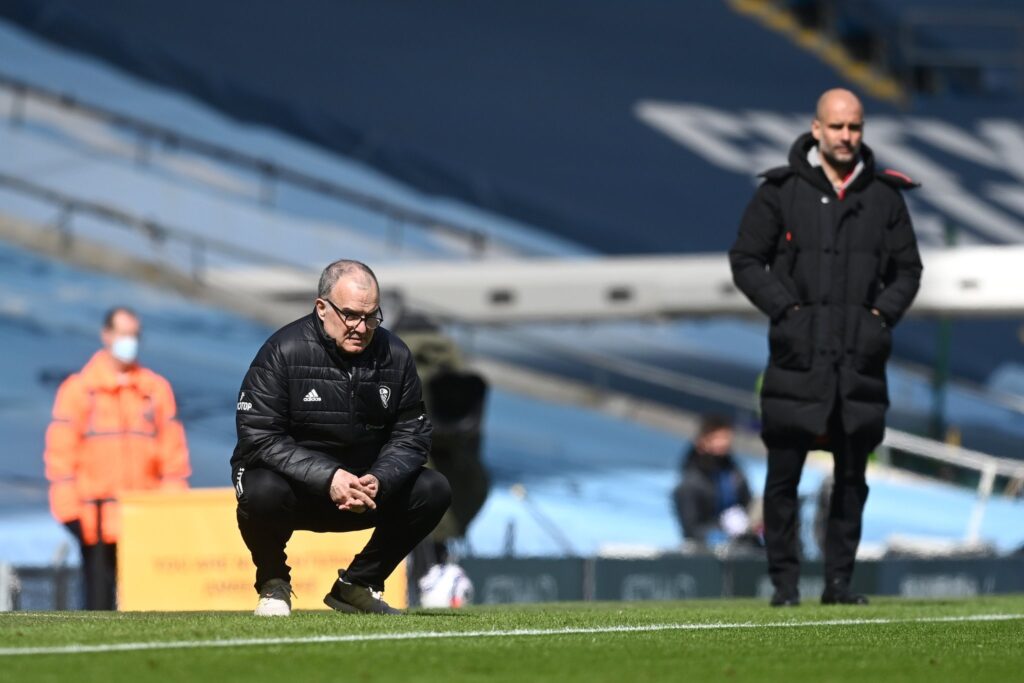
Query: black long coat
point(837, 258)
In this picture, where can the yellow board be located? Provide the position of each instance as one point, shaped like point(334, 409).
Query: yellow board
point(181, 550)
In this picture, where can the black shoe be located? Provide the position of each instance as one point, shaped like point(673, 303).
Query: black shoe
point(355, 599)
point(785, 599)
point(838, 592)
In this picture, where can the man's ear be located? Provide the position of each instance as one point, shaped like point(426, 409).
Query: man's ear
point(816, 129)
point(321, 309)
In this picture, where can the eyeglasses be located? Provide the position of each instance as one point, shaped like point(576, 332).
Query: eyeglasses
point(352, 319)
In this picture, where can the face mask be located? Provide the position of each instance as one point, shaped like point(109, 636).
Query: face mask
point(125, 349)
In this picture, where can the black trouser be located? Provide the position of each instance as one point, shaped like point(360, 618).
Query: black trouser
point(782, 509)
point(99, 571)
point(271, 507)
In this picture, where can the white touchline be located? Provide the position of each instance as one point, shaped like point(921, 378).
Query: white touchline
point(423, 635)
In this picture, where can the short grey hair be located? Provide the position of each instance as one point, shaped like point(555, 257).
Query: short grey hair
point(339, 269)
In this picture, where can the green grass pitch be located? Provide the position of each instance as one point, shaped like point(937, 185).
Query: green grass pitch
point(975, 640)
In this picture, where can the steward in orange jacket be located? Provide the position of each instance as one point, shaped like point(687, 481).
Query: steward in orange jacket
point(114, 429)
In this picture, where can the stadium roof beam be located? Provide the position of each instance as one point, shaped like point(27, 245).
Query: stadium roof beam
point(962, 282)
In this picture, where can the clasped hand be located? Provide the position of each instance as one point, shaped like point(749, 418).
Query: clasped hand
point(350, 493)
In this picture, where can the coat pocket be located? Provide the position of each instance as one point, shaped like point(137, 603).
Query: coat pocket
point(874, 342)
point(790, 339)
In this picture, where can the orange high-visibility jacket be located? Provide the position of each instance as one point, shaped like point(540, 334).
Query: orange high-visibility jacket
point(111, 433)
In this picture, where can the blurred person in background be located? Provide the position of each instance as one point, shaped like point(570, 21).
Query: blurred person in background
point(713, 498)
point(455, 398)
point(827, 251)
point(333, 436)
point(114, 429)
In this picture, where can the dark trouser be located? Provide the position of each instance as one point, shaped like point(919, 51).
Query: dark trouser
point(782, 509)
point(271, 507)
point(99, 572)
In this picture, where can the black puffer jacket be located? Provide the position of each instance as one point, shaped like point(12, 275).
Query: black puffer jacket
point(305, 410)
point(799, 243)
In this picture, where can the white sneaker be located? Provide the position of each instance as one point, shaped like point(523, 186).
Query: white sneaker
point(275, 599)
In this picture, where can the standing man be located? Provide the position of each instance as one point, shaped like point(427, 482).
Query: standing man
point(333, 436)
point(827, 251)
point(114, 429)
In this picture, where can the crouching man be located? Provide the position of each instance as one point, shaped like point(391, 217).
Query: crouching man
point(333, 437)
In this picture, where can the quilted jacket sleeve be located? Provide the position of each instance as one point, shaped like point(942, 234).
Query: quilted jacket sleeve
point(754, 251)
point(262, 420)
point(902, 276)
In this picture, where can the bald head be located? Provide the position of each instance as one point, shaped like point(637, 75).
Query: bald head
point(838, 126)
point(838, 100)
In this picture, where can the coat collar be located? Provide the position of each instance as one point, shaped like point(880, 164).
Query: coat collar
point(815, 175)
point(378, 350)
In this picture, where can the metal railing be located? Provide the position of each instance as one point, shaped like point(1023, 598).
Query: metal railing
point(270, 172)
point(988, 466)
point(156, 232)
